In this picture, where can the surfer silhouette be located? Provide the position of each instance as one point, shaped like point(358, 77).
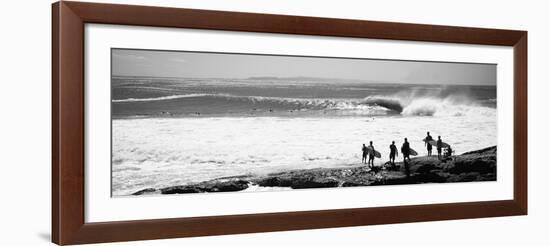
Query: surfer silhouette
point(393, 152)
point(427, 143)
point(439, 147)
point(365, 151)
point(371, 155)
point(448, 152)
point(405, 149)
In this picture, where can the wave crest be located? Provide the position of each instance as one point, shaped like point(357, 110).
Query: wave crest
point(159, 98)
point(387, 102)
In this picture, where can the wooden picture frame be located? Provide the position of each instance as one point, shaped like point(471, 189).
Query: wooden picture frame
point(68, 111)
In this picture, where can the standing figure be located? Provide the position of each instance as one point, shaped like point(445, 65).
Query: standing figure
point(371, 155)
point(365, 151)
point(427, 144)
point(439, 147)
point(448, 152)
point(393, 152)
point(405, 150)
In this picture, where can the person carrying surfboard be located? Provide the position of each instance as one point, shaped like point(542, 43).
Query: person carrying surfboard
point(427, 143)
point(393, 152)
point(405, 150)
point(371, 155)
point(439, 147)
point(365, 152)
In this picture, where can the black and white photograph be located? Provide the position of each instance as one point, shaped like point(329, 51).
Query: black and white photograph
point(272, 123)
point(203, 122)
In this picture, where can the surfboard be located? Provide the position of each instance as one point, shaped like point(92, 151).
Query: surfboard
point(426, 141)
point(376, 153)
point(411, 151)
point(434, 143)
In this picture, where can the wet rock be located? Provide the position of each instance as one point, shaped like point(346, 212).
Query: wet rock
point(236, 185)
point(479, 165)
point(465, 177)
point(274, 182)
point(147, 191)
point(353, 184)
point(425, 169)
point(208, 186)
point(314, 183)
point(180, 190)
point(489, 150)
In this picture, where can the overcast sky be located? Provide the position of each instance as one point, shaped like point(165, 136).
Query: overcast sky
point(214, 65)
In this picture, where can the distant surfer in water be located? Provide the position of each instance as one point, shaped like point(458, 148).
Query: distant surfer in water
point(393, 152)
point(439, 147)
point(428, 145)
point(405, 150)
point(365, 152)
point(371, 155)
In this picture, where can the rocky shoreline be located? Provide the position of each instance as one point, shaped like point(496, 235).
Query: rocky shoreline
point(479, 165)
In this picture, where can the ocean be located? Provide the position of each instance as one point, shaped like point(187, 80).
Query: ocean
point(174, 131)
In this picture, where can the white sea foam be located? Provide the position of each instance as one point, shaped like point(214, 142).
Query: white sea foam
point(159, 98)
point(445, 107)
point(163, 152)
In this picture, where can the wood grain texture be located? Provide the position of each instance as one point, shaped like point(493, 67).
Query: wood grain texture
point(251, 22)
point(68, 224)
point(520, 122)
point(55, 123)
point(68, 117)
point(234, 224)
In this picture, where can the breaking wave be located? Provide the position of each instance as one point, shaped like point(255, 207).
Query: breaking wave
point(433, 106)
point(158, 98)
point(407, 105)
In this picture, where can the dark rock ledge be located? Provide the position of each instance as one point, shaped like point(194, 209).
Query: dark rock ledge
point(479, 165)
